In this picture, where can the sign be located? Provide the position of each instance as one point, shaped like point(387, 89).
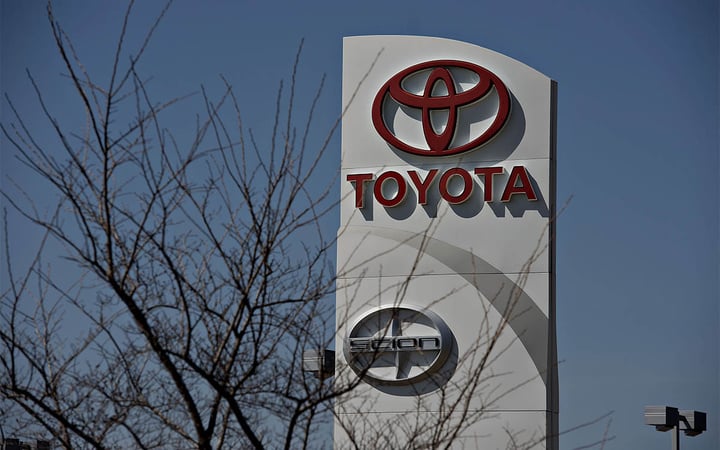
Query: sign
point(446, 291)
point(455, 185)
point(398, 345)
point(440, 95)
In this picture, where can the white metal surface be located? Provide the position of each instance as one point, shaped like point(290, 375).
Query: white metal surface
point(482, 266)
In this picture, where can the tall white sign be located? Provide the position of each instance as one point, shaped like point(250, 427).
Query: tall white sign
point(445, 303)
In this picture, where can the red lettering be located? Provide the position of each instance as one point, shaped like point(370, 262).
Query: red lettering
point(401, 189)
point(467, 185)
point(455, 185)
point(487, 173)
point(422, 186)
point(525, 187)
point(359, 179)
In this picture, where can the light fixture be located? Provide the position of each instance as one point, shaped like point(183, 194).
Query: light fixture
point(666, 418)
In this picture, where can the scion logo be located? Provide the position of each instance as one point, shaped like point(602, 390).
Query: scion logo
point(441, 97)
point(398, 345)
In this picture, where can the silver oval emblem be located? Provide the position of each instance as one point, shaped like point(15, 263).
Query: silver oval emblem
point(398, 345)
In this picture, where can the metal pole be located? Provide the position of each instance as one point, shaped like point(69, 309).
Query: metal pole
point(676, 437)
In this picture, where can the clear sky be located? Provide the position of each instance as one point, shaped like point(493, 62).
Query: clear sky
point(638, 245)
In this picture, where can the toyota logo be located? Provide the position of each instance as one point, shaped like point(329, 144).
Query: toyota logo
point(398, 345)
point(441, 97)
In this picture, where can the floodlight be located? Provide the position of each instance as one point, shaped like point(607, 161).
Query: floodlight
point(320, 363)
point(695, 422)
point(663, 418)
point(666, 418)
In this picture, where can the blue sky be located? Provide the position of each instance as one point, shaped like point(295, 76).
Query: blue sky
point(638, 245)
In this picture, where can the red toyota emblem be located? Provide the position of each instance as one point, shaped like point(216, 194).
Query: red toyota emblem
point(441, 144)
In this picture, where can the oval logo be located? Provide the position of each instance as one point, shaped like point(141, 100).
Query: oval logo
point(440, 97)
point(398, 345)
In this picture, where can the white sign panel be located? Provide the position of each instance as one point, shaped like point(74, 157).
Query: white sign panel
point(445, 304)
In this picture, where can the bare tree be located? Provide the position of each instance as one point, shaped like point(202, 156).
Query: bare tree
point(203, 272)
